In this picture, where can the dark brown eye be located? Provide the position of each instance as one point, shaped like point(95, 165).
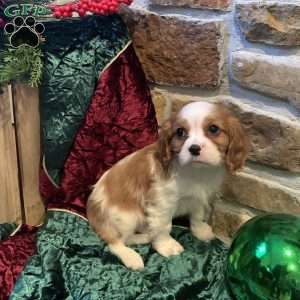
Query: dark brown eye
point(214, 129)
point(180, 132)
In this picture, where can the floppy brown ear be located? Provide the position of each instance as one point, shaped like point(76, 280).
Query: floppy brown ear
point(164, 143)
point(238, 148)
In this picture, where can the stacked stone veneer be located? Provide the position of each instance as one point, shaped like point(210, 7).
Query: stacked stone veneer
point(245, 54)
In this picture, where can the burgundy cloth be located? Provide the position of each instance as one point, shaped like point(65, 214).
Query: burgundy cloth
point(14, 253)
point(120, 120)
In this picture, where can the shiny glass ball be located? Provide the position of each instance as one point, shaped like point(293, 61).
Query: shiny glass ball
point(264, 259)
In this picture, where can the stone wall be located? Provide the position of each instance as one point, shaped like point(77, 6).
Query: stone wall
point(245, 54)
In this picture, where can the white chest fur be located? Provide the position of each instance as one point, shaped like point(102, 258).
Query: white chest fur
point(188, 191)
point(196, 185)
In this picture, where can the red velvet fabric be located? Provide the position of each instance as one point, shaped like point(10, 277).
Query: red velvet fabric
point(14, 253)
point(120, 120)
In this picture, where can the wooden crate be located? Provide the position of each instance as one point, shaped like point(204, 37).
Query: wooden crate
point(20, 156)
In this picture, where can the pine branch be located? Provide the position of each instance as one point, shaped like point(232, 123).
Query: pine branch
point(21, 64)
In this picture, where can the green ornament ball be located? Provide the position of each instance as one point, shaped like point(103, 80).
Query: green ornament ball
point(264, 259)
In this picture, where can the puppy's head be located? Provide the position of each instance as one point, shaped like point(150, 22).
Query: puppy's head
point(204, 134)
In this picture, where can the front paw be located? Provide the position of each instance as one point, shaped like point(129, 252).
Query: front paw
point(134, 261)
point(203, 232)
point(168, 247)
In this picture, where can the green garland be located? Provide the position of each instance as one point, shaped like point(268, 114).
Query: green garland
point(22, 64)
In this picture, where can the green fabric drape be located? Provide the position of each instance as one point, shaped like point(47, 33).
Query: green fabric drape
point(72, 263)
point(76, 51)
point(6, 230)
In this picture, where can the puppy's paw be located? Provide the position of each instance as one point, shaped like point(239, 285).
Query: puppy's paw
point(130, 258)
point(168, 247)
point(203, 232)
point(134, 261)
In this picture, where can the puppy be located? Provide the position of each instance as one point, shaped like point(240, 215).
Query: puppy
point(135, 200)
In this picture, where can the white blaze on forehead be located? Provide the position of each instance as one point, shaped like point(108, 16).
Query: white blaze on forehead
point(196, 112)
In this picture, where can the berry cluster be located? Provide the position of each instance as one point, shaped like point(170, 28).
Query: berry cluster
point(82, 7)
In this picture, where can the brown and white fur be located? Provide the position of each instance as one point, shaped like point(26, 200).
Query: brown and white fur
point(135, 201)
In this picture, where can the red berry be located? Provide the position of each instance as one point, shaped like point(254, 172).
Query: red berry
point(57, 14)
point(81, 12)
point(74, 7)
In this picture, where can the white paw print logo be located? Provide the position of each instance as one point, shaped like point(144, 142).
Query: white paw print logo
point(24, 32)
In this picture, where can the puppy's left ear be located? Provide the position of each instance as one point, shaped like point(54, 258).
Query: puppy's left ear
point(164, 143)
point(239, 145)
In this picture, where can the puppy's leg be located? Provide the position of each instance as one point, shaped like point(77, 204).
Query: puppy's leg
point(126, 224)
point(199, 226)
point(159, 221)
point(165, 245)
point(130, 258)
point(115, 228)
point(160, 227)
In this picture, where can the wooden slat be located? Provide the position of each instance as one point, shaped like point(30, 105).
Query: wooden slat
point(10, 206)
point(27, 117)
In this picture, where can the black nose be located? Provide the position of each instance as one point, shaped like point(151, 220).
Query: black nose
point(195, 150)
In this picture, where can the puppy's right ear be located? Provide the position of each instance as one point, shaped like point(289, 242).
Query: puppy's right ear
point(164, 142)
point(239, 146)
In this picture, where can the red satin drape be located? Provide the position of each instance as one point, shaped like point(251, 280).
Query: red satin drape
point(120, 120)
point(14, 253)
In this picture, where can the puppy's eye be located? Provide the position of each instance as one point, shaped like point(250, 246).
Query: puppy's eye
point(180, 132)
point(214, 129)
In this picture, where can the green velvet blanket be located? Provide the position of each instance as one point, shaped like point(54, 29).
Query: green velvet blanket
point(6, 229)
point(72, 263)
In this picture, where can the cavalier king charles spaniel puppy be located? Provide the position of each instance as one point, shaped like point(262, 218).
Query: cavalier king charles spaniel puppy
point(135, 201)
